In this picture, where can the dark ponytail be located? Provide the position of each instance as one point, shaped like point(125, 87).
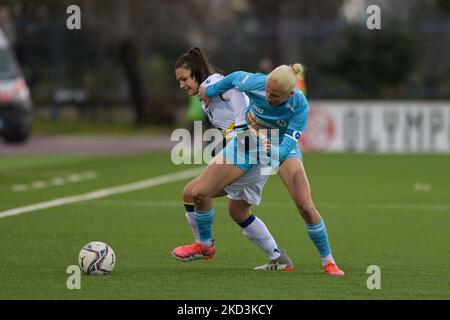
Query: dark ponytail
point(196, 61)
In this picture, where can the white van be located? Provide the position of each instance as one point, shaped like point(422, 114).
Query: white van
point(15, 101)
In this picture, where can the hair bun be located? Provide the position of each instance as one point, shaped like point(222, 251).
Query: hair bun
point(298, 69)
point(196, 50)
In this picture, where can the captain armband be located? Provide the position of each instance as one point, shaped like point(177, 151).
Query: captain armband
point(294, 135)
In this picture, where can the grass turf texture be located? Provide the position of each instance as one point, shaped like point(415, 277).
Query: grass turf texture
point(373, 215)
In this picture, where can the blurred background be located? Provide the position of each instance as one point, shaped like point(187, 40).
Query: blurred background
point(115, 74)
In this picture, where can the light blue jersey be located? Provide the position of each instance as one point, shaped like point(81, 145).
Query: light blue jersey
point(289, 117)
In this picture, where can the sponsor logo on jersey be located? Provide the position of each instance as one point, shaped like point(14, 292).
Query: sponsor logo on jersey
point(282, 123)
point(258, 109)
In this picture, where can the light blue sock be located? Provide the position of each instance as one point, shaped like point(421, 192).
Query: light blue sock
point(204, 221)
point(318, 234)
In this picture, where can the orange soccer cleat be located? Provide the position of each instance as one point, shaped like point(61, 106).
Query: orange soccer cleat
point(332, 269)
point(193, 252)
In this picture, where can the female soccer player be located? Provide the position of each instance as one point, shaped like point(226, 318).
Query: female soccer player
point(274, 104)
point(227, 113)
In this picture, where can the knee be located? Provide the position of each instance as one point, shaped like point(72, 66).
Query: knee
point(238, 217)
point(187, 195)
point(239, 210)
point(200, 194)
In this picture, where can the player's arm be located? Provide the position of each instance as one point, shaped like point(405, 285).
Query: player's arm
point(296, 126)
point(238, 79)
point(289, 142)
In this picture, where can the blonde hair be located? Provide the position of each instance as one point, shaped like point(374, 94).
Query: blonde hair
point(286, 76)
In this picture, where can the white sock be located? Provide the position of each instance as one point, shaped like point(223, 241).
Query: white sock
point(258, 233)
point(191, 219)
point(327, 259)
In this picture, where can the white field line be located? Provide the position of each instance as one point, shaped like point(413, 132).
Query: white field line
point(276, 205)
point(152, 182)
point(56, 181)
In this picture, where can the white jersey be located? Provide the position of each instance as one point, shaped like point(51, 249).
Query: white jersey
point(227, 110)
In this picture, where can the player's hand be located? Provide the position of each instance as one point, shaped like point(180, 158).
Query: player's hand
point(202, 95)
point(265, 143)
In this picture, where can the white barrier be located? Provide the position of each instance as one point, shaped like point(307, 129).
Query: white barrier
point(378, 126)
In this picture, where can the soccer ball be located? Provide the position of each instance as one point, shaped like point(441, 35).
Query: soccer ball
point(97, 258)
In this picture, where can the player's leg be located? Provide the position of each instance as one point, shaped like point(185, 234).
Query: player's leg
point(188, 202)
point(242, 194)
point(212, 181)
point(253, 227)
point(256, 231)
point(293, 175)
point(217, 175)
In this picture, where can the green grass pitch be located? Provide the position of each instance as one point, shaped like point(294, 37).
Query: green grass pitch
point(391, 211)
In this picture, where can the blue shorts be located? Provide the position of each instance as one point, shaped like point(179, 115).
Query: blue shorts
point(295, 153)
point(246, 157)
